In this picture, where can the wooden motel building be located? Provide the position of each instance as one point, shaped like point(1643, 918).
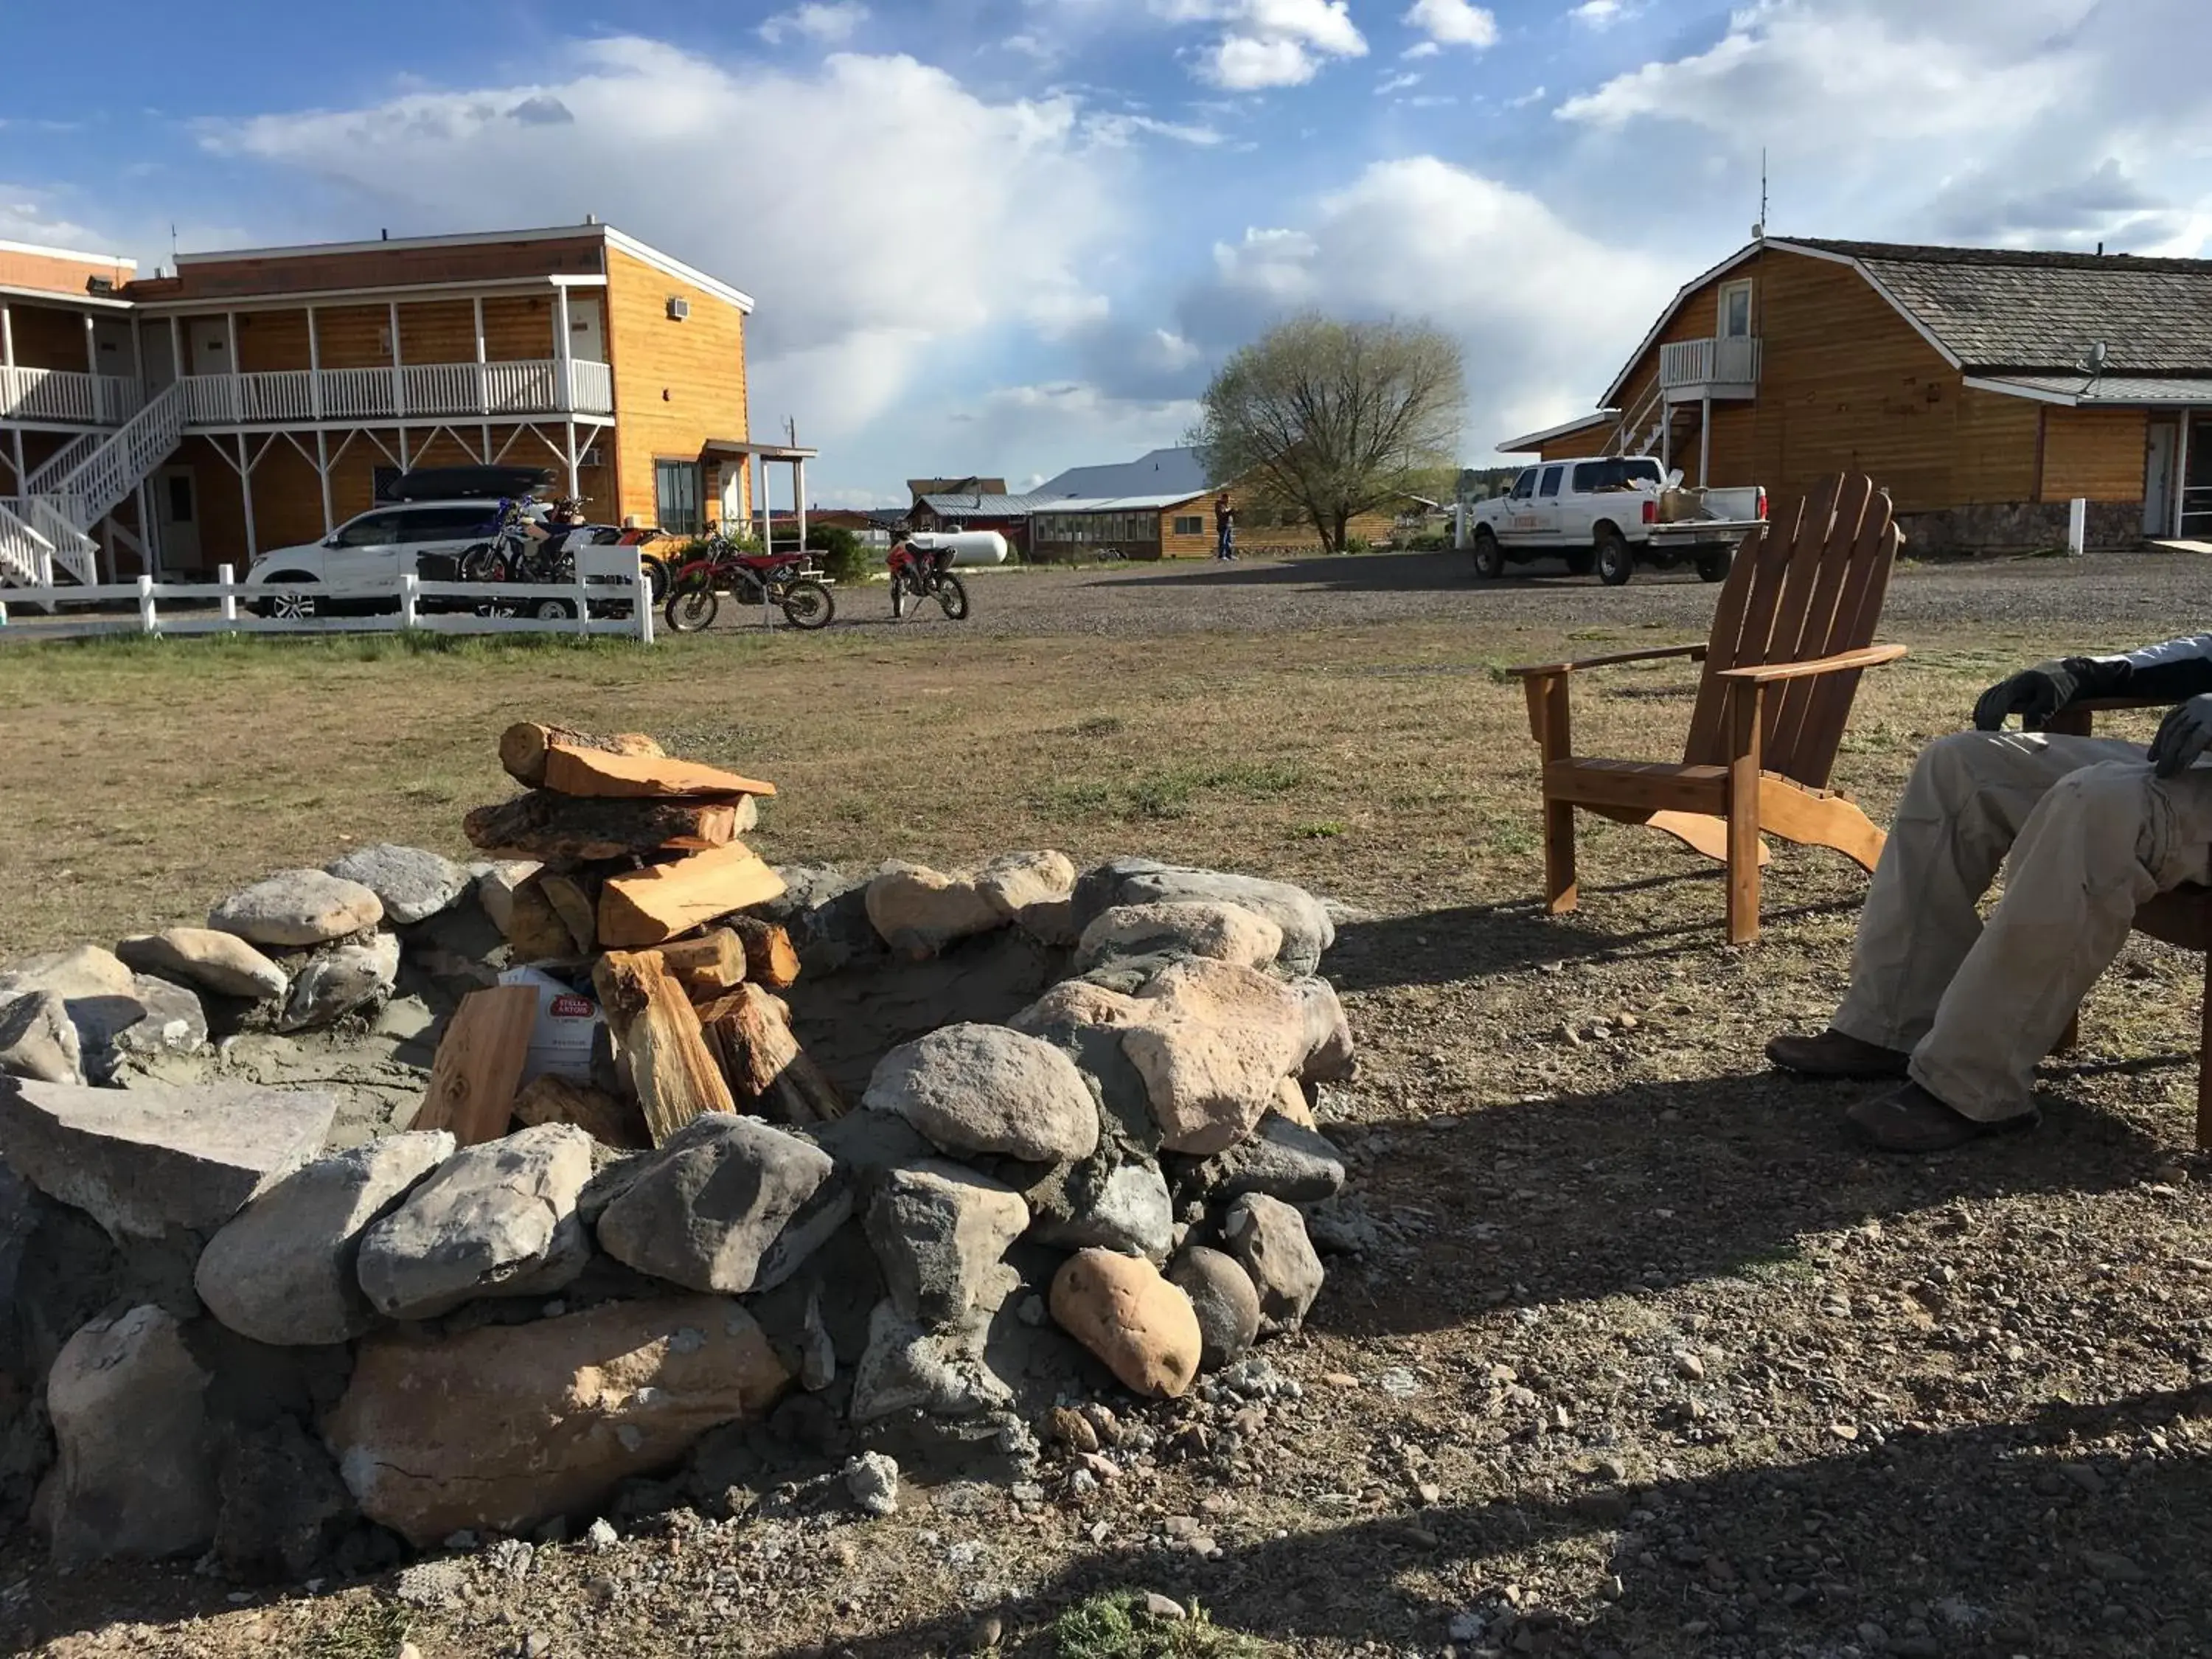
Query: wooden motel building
point(258, 399)
point(1985, 389)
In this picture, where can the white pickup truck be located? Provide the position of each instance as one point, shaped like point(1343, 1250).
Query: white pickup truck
point(1610, 513)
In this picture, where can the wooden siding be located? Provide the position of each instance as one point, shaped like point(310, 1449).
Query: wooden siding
point(677, 383)
point(47, 336)
point(2098, 454)
point(1993, 453)
point(236, 278)
point(60, 275)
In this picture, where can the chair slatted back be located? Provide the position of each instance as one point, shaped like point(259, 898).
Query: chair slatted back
point(1807, 586)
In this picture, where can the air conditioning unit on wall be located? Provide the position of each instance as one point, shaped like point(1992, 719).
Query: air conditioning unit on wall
point(678, 307)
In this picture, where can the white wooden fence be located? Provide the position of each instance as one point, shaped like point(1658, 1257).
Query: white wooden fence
point(610, 596)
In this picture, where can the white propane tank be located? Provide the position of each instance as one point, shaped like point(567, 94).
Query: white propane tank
point(968, 546)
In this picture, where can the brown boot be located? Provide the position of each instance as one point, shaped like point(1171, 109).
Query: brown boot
point(1910, 1120)
point(1833, 1054)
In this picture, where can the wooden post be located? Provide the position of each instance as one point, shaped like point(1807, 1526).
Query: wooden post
point(1745, 707)
point(1548, 710)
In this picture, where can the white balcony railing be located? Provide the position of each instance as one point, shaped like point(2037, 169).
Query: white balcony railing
point(415, 392)
point(66, 396)
point(1733, 361)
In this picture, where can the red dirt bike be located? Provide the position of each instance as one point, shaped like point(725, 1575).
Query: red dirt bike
point(786, 581)
point(923, 573)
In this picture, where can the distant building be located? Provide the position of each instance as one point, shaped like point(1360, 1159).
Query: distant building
point(919, 488)
point(1169, 472)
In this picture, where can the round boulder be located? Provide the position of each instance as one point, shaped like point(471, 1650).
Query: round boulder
point(210, 959)
point(1227, 1305)
point(1143, 1327)
point(986, 1089)
point(297, 908)
point(412, 884)
point(1269, 1237)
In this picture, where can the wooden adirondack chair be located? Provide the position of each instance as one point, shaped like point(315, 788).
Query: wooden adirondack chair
point(1791, 634)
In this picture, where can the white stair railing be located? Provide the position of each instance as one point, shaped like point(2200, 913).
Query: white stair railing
point(62, 462)
point(26, 558)
point(73, 550)
point(100, 483)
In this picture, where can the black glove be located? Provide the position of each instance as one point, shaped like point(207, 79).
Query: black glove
point(2183, 735)
point(2035, 695)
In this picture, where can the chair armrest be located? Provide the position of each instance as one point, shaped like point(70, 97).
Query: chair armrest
point(1843, 662)
point(2092, 704)
point(1547, 671)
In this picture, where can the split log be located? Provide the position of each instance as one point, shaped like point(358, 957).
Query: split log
point(524, 747)
point(544, 825)
point(653, 905)
point(534, 927)
point(607, 1119)
point(771, 959)
point(593, 773)
point(708, 967)
point(576, 907)
point(478, 1068)
point(751, 1030)
point(658, 1042)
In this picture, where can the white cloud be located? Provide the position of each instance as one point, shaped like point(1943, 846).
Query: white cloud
point(1453, 22)
point(1603, 15)
point(1121, 128)
point(1393, 83)
point(1266, 43)
point(1422, 49)
point(847, 323)
point(1533, 95)
point(826, 24)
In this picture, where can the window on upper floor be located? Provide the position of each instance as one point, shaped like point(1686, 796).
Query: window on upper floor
point(1736, 310)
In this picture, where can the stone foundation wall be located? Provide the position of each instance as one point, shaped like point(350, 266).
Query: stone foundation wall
point(2018, 527)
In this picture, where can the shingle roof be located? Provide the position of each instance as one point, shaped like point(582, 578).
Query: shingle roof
point(1173, 472)
point(1998, 309)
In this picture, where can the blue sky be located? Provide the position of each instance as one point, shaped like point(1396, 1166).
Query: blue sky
point(1008, 236)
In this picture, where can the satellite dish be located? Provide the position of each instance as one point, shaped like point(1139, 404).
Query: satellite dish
point(2092, 362)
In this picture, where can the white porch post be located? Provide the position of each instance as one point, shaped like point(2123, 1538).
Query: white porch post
point(483, 390)
point(767, 510)
point(92, 367)
point(575, 489)
point(398, 382)
point(2180, 470)
point(560, 360)
point(178, 367)
point(8, 362)
point(1706, 443)
point(7, 335)
point(315, 366)
point(798, 494)
point(237, 408)
point(147, 539)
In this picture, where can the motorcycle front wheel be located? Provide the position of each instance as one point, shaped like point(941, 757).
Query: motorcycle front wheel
point(808, 605)
point(952, 596)
point(481, 563)
point(692, 609)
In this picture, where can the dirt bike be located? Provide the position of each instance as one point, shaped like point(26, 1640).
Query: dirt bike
point(513, 554)
point(926, 573)
point(786, 581)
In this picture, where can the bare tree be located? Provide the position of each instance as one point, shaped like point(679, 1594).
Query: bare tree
point(1335, 419)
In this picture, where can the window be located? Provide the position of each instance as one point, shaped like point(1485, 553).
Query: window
point(1525, 485)
point(1550, 488)
point(180, 498)
point(676, 497)
point(1736, 310)
point(1619, 472)
point(1191, 525)
point(370, 530)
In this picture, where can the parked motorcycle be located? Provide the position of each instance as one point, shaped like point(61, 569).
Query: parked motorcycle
point(919, 573)
point(518, 553)
point(788, 580)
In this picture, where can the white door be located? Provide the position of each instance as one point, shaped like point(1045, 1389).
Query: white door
point(176, 519)
point(587, 338)
point(2157, 479)
point(1539, 515)
point(209, 339)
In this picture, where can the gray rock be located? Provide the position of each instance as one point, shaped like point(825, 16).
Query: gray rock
point(1269, 1238)
point(170, 1021)
point(873, 1479)
point(496, 890)
point(212, 960)
point(1189, 928)
point(1226, 1301)
point(496, 1221)
point(868, 1145)
point(987, 1089)
point(284, 1270)
point(296, 907)
point(411, 883)
point(340, 979)
point(816, 1223)
point(86, 972)
point(941, 1232)
point(1329, 1053)
point(907, 1368)
point(706, 1209)
point(142, 1160)
point(38, 1039)
point(1307, 930)
point(1085, 1022)
point(1282, 1160)
point(1114, 1206)
point(135, 1477)
point(825, 911)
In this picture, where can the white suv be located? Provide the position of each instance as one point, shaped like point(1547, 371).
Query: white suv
point(360, 564)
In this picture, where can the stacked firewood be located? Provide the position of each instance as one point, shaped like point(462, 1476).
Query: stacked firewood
point(622, 873)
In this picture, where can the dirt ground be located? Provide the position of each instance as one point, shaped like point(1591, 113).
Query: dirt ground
point(1643, 1356)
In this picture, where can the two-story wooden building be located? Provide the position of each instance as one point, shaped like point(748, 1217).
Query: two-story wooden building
point(254, 398)
point(1986, 389)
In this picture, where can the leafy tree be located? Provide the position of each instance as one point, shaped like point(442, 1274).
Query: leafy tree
point(1333, 418)
point(845, 557)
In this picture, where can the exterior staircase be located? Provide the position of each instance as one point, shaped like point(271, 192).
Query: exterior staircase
point(47, 530)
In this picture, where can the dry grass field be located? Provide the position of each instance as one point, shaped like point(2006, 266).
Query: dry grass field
point(1647, 1359)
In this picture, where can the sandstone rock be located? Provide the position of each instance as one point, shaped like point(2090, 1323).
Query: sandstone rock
point(38, 1040)
point(496, 890)
point(135, 1477)
point(1329, 1053)
point(1215, 1045)
point(1307, 929)
point(1292, 1103)
point(144, 1160)
point(495, 1219)
point(213, 961)
point(86, 972)
point(1084, 1021)
point(1225, 1300)
point(987, 1089)
point(1269, 1238)
point(411, 883)
point(919, 911)
point(907, 1367)
point(340, 979)
point(705, 1210)
point(1188, 927)
point(1283, 1160)
point(296, 907)
point(504, 1427)
point(941, 1232)
point(1030, 889)
point(1141, 1325)
point(283, 1271)
point(1122, 1206)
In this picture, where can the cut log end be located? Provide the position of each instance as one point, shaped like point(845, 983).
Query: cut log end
point(525, 747)
point(771, 959)
point(658, 1042)
point(546, 826)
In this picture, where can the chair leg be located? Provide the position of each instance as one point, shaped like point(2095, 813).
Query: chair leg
point(1560, 895)
point(1743, 817)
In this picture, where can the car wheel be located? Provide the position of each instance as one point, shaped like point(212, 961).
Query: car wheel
point(1489, 556)
point(1616, 563)
point(1713, 567)
point(290, 603)
point(553, 611)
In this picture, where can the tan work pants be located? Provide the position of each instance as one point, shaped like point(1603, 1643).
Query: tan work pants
point(2091, 833)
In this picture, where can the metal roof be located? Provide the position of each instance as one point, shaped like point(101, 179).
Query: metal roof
point(1161, 470)
point(1112, 503)
point(966, 504)
point(2106, 391)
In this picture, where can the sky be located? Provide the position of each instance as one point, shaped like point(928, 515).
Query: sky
point(1006, 237)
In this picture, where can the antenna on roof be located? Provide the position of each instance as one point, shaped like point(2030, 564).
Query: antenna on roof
point(1758, 227)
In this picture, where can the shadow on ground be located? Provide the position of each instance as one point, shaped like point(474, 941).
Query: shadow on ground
point(1364, 572)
